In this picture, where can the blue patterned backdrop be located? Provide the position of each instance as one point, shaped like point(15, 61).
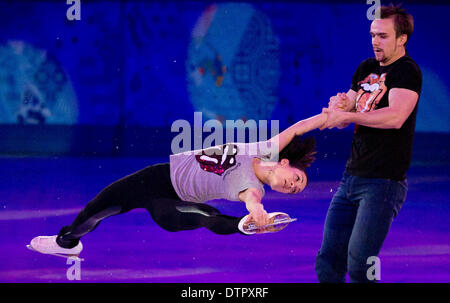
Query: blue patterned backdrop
point(138, 63)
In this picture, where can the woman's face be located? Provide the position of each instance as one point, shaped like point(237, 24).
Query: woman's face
point(287, 179)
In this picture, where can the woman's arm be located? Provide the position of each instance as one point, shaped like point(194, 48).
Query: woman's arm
point(252, 199)
point(298, 129)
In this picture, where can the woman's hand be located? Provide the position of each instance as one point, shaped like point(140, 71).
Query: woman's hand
point(257, 214)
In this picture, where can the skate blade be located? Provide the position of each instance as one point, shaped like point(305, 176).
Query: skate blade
point(75, 257)
point(286, 221)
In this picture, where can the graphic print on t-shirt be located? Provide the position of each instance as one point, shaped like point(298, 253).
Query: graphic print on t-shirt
point(217, 159)
point(372, 89)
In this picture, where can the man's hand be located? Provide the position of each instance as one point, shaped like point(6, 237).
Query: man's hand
point(343, 102)
point(340, 102)
point(334, 119)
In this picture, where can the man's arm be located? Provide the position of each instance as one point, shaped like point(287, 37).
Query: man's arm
point(252, 199)
point(298, 129)
point(401, 104)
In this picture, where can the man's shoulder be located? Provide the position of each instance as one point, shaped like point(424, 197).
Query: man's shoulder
point(366, 67)
point(404, 64)
point(369, 62)
point(408, 63)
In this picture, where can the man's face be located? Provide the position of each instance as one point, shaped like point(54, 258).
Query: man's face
point(386, 47)
point(287, 179)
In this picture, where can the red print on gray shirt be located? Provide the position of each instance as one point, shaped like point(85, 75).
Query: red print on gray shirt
point(217, 159)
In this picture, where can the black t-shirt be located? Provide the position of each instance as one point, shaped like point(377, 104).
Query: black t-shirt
point(383, 153)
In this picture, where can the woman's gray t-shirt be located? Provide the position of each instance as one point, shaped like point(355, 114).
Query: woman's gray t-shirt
point(219, 172)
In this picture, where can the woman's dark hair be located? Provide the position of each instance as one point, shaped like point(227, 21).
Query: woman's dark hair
point(300, 152)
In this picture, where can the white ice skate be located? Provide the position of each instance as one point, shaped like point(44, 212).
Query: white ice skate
point(47, 245)
point(278, 221)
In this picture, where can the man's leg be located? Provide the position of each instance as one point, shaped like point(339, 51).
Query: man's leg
point(178, 215)
point(331, 260)
point(380, 201)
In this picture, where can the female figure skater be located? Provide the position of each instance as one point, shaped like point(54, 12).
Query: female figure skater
point(174, 192)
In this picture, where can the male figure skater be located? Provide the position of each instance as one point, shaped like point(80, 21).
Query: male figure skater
point(174, 192)
point(382, 102)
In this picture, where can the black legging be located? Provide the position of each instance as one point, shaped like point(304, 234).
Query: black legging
point(152, 189)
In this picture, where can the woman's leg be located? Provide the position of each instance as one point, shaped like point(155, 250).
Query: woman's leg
point(133, 191)
point(177, 215)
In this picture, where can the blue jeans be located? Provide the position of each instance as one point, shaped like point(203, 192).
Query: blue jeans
point(358, 220)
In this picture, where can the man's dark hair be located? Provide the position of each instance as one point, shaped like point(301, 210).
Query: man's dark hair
point(403, 21)
point(300, 152)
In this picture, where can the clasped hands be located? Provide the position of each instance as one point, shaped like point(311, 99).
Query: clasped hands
point(336, 112)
